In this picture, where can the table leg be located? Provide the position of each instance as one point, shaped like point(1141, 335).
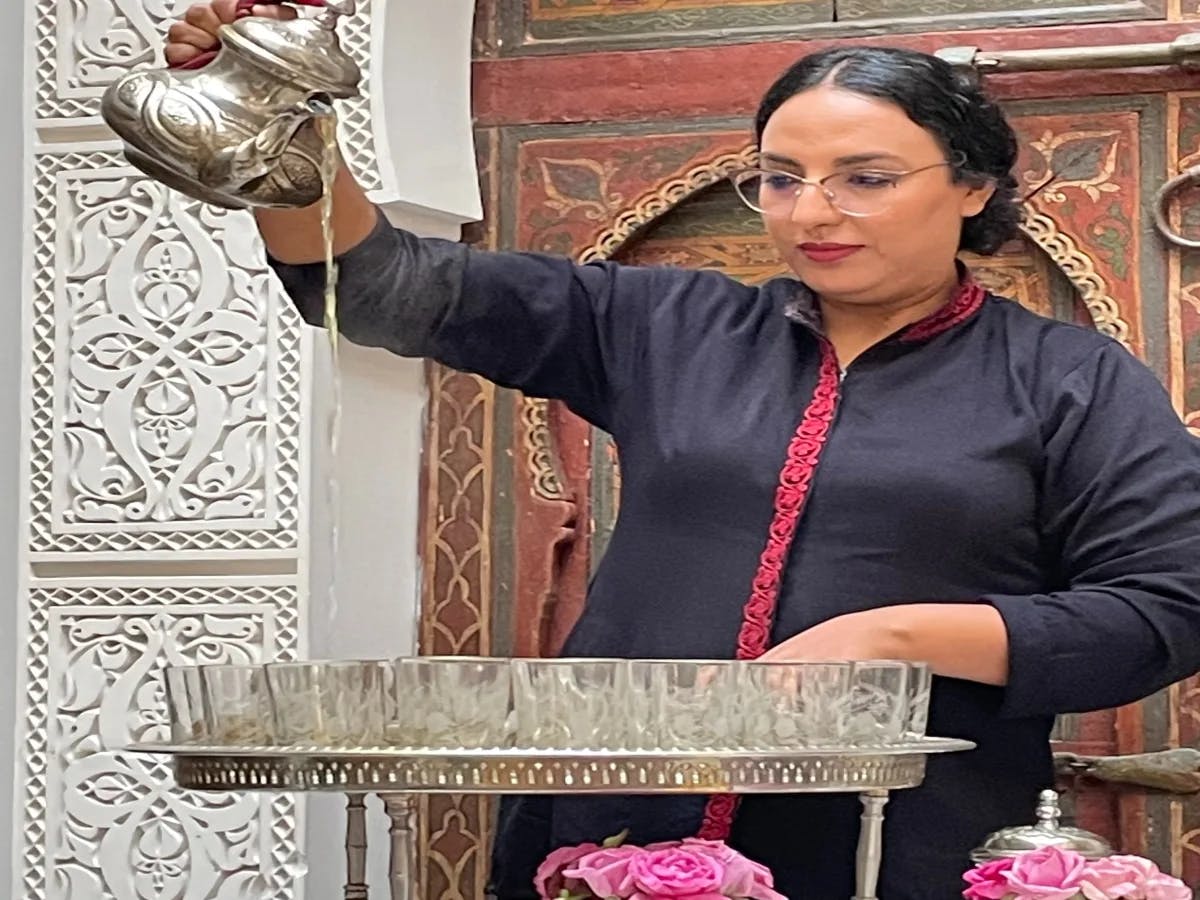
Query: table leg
point(404, 871)
point(356, 847)
point(870, 845)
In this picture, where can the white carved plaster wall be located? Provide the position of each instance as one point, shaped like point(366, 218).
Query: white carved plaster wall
point(172, 408)
point(14, 180)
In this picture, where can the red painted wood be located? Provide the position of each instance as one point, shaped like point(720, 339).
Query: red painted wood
point(700, 82)
point(1131, 805)
point(550, 537)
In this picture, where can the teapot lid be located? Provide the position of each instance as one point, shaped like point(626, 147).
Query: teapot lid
point(304, 51)
point(1047, 832)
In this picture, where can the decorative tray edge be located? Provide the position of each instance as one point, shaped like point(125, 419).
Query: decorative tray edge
point(923, 747)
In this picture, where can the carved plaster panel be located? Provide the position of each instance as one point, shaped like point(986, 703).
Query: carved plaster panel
point(166, 371)
point(99, 822)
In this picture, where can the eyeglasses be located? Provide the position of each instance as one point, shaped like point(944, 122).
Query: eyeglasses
point(860, 193)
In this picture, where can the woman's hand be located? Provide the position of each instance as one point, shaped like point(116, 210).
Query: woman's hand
point(862, 635)
point(196, 33)
point(958, 640)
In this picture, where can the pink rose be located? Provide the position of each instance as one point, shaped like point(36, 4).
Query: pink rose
point(605, 871)
point(1130, 878)
point(744, 878)
point(1164, 887)
point(678, 873)
point(1049, 874)
point(1113, 878)
point(1139, 868)
point(987, 881)
point(550, 880)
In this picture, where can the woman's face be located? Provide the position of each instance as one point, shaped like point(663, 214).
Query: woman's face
point(900, 252)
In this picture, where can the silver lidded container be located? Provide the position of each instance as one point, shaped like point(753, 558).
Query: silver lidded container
point(1046, 832)
point(240, 132)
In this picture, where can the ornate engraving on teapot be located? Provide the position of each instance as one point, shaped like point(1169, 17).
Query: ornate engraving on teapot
point(239, 132)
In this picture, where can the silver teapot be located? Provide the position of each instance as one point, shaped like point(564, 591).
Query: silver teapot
point(240, 131)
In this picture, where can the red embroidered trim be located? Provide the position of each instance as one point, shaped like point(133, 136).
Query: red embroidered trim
point(795, 478)
point(961, 307)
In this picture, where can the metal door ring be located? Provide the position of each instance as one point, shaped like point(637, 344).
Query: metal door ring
point(1162, 207)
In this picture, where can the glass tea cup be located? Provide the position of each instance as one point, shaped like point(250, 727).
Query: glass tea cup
point(796, 704)
point(920, 689)
point(879, 705)
point(450, 702)
point(687, 704)
point(329, 703)
point(185, 704)
point(237, 707)
point(572, 704)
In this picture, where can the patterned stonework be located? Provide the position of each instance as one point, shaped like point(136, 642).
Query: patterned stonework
point(100, 822)
point(166, 371)
point(166, 375)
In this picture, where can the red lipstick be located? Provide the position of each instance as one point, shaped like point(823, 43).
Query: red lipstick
point(828, 253)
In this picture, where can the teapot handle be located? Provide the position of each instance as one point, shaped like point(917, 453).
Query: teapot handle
point(244, 9)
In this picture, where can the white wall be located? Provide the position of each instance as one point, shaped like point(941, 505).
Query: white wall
point(378, 583)
point(13, 179)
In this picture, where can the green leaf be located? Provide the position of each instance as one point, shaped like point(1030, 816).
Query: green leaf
point(616, 840)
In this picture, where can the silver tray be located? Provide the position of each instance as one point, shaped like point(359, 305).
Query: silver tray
point(405, 771)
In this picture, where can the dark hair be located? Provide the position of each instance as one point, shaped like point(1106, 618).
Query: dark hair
point(946, 102)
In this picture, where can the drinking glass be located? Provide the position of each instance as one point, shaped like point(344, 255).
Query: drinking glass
point(689, 704)
point(577, 704)
point(450, 702)
point(920, 686)
point(796, 704)
point(879, 703)
point(237, 707)
point(331, 704)
point(185, 704)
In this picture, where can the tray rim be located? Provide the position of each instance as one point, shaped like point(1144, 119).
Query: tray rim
point(518, 755)
point(561, 772)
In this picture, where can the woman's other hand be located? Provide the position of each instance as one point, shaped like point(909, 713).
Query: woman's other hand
point(957, 640)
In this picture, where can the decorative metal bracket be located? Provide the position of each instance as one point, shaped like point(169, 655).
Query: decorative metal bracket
point(1184, 52)
point(1167, 771)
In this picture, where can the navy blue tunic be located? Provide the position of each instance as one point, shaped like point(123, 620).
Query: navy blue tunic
point(1011, 460)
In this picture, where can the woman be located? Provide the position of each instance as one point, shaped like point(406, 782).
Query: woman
point(873, 460)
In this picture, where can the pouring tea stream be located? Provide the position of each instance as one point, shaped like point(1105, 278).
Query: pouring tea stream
point(252, 126)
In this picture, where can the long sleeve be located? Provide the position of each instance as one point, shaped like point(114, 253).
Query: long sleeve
point(538, 323)
point(1121, 515)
